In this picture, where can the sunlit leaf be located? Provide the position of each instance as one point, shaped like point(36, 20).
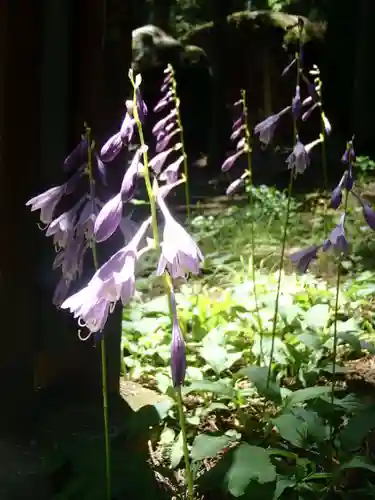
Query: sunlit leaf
point(317, 316)
point(306, 394)
point(206, 446)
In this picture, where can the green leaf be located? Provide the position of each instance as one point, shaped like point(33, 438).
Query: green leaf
point(282, 484)
point(159, 305)
point(358, 463)
point(218, 388)
point(353, 435)
point(292, 429)
point(249, 463)
point(258, 376)
point(317, 316)
point(217, 357)
point(206, 446)
point(306, 394)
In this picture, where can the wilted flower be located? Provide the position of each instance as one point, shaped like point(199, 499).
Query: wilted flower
point(179, 252)
point(267, 127)
point(178, 349)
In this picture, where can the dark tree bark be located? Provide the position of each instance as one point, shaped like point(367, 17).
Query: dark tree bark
point(220, 118)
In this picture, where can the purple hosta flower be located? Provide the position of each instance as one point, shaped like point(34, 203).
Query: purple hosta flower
point(86, 220)
point(241, 144)
point(158, 161)
point(299, 159)
point(326, 123)
point(62, 228)
point(164, 141)
point(47, 202)
point(170, 174)
point(303, 258)
point(113, 281)
point(368, 212)
point(179, 252)
point(239, 122)
point(108, 218)
point(230, 161)
point(128, 124)
point(296, 103)
point(337, 238)
point(349, 155)
point(167, 81)
point(161, 124)
point(61, 292)
point(237, 132)
point(129, 182)
point(111, 148)
point(141, 105)
point(236, 184)
point(178, 349)
point(267, 127)
point(336, 195)
point(77, 157)
point(164, 101)
point(312, 89)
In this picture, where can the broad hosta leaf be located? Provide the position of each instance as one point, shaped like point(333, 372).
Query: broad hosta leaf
point(282, 484)
point(317, 316)
point(249, 463)
point(217, 357)
point(292, 429)
point(205, 446)
point(358, 427)
point(219, 388)
point(358, 463)
point(306, 394)
point(258, 376)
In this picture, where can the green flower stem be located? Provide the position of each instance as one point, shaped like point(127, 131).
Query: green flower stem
point(286, 224)
point(180, 126)
point(336, 311)
point(103, 355)
point(252, 225)
point(168, 289)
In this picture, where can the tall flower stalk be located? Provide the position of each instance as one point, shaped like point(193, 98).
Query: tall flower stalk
point(103, 356)
point(297, 161)
point(178, 362)
point(172, 126)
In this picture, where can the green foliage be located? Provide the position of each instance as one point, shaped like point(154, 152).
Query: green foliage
point(249, 437)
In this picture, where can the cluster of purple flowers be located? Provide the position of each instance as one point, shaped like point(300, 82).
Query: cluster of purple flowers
point(90, 221)
point(337, 238)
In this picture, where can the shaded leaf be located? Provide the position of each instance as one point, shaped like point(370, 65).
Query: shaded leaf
point(292, 429)
point(282, 484)
point(249, 463)
point(258, 376)
point(358, 463)
point(218, 388)
point(206, 446)
point(356, 430)
point(306, 394)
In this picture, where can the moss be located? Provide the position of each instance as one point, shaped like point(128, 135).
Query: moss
point(264, 21)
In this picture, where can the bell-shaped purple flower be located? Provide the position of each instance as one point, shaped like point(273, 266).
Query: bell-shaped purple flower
point(170, 174)
point(236, 184)
point(368, 211)
point(62, 228)
point(77, 157)
point(164, 101)
point(337, 238)
point(349, 155)
point(111, 148)
point(46, 202)
point(303, 258)
point(267, 127)
point(158, 161)
point(178, 348)
point(296, 103)
point(129, 182)
point(179, 252)
point(108, 218)
point(231, 160)
point(161, 124)
point(336, 197)
point(164, 142)
point(298, 160)
point(141, 105)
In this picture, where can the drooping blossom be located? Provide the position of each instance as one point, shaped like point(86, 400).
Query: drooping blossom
point(337, 238)
point(113, 281)
point(47, 202)
point(266, 128)
point(299, 158)
point(303, 258)
point(179, 252)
